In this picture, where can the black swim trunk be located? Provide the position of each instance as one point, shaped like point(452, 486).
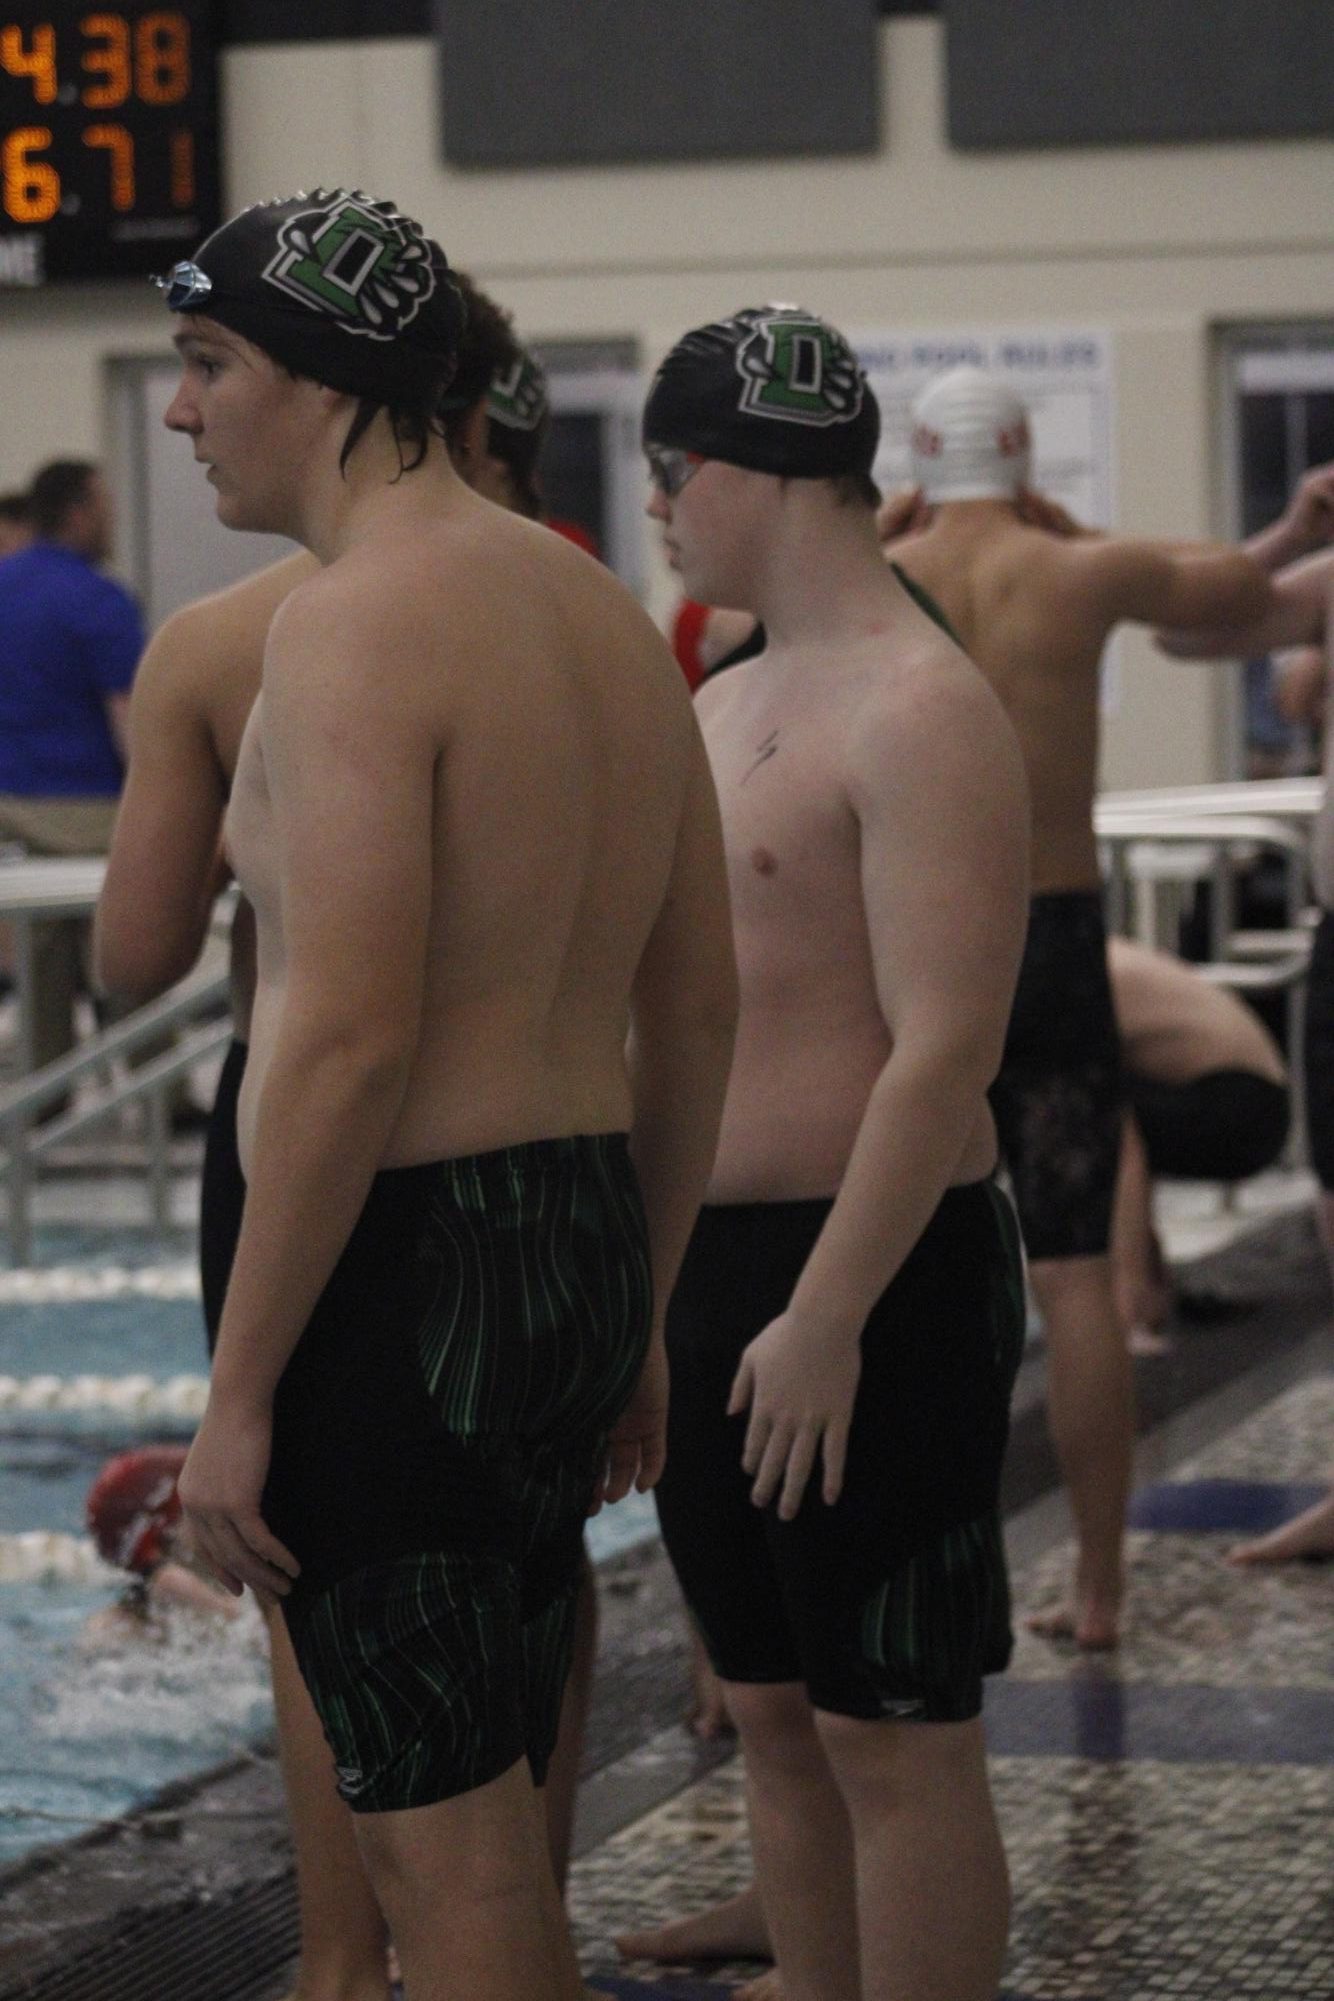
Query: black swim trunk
point(437, 1437)
point(1059, 1097)
point(221, 1193)
point(1223, 1126)
point(1318, 1052)
point(893, 1602)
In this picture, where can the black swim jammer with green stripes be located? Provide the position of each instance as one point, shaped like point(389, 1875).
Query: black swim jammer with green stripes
point(437, 1437)
point(892, 1603)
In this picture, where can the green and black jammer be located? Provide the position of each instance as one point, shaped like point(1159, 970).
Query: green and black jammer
point(438, 1435)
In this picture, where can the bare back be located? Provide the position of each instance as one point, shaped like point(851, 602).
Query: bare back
point(1175, 1026)
point(1018, 598)
point(555, 739)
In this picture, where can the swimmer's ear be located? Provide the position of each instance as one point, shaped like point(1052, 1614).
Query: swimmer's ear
point(469, 441)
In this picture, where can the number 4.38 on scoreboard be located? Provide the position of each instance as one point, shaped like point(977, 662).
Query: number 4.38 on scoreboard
point(108, 139)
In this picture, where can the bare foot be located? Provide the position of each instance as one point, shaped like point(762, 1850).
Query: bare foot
point(732, 1930)
point(767, 1988)
point(1091, 1623)
point(1309, 1535)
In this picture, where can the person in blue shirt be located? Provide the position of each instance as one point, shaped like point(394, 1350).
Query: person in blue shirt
point(70, 639)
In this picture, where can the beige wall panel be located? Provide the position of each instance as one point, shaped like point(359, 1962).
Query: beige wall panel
point(916, 199)
point(1161, 245)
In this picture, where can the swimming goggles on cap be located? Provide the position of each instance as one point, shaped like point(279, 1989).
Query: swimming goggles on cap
point(670, 467)
point(185, 286)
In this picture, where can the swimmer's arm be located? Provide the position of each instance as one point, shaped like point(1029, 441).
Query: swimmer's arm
point(1297, 614)
point(163, 873)
point(1171, 584)
point(941, 805)
point(1306, 523)
point(683, 1013)
point(939, 795)
point(351, 759)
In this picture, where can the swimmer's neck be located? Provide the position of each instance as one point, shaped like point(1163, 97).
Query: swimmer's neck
point(972, 517)
point(337, 508)
point(821, 579)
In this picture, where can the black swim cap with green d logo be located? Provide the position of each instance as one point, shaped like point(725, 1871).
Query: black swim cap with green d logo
point(773, 389)
point(335, 286)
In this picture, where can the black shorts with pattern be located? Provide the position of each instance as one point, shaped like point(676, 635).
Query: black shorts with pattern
point(437, 1437)
point(893, 1602)
point(1059, 1097)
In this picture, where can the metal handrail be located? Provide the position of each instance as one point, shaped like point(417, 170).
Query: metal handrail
point(23, 1143)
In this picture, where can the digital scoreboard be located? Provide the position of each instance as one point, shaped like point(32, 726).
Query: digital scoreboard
point(108, 139)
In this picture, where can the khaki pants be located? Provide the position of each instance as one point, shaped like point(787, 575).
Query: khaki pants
point(63, 827)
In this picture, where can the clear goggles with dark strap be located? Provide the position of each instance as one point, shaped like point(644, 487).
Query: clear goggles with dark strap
point(185, 286)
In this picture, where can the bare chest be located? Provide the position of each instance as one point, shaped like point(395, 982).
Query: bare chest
point(249, 828)
point(789, 832)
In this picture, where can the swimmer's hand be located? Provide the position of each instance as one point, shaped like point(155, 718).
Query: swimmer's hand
point(904, 513)
point(799, 1381)
point(220, 1488)
point(1309, 515)
point(1039, 510)
point(637, 1448)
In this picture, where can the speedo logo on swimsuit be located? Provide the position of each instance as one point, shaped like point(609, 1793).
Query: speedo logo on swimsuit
point(795, 368)
point(351, 1778)
point(901, 1709)
point(358, 262)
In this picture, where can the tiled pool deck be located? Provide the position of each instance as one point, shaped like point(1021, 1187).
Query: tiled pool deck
point(1167, 1811)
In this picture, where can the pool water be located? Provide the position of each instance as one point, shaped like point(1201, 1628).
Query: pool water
point(89, 1732)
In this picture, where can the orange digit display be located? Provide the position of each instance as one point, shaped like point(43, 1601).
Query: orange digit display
point(120, 145)
point(162, 58)
point(31, 187)
point(183, 189)
point(107, 56)
point(38, 62)
point(109, 138)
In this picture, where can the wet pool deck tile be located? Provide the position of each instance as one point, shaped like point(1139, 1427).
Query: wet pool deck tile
point(1166, 1810)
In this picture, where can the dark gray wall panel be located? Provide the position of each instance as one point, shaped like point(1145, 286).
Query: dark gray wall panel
point(1089, 72)
point(322, 20)
point(364, 20)
point(574, 82)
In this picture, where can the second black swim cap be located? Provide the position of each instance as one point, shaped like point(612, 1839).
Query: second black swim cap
point(335, 286)
point(774, 389)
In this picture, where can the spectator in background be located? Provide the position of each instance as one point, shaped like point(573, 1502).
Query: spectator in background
point(70, 639)
point(15, 523)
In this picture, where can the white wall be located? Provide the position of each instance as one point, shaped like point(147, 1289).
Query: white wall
point(1162, 245)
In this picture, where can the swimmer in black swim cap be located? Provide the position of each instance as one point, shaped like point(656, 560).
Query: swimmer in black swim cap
point(337, 288)
point(774, 389)
point(497, 447)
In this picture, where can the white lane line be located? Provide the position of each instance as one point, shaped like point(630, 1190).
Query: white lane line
point(69, 1285)
point(136, 1396)
point(42, 1556)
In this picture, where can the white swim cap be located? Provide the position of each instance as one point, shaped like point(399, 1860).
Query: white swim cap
point(970, 438)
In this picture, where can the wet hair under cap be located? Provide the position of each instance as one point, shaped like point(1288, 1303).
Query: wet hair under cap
point(774, 389)
point(337, 287)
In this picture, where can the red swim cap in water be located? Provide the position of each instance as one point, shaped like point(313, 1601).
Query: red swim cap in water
point(132, 1503)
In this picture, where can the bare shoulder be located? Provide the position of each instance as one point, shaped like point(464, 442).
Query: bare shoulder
point(930, 721)
point(215, 645)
